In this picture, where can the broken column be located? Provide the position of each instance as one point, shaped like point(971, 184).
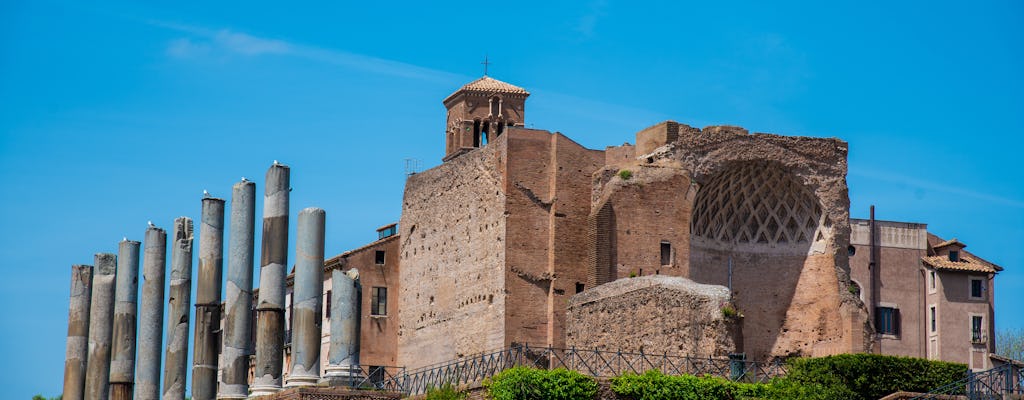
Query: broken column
point(270, 304)
point(307, 299)
point(101, 315)
point(78, 332)
point(151, 315)
point(238, 300)
point(176, 359)
point(122, 358)
point(211, 261)
point(343, 363)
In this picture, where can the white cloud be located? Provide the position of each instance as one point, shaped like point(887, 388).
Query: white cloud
point(937, 187)
point(587, 24)
point(224, 42)
point(249, 45)
point(186, 48)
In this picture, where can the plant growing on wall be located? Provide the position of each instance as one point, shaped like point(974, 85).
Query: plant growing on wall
point(625, 174)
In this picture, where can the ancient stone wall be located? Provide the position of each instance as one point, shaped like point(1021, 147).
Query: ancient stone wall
point(643, 218)
point(574, 166)
point(548, 186)
point(778, 208)
point(451, 300)
point(653, 314)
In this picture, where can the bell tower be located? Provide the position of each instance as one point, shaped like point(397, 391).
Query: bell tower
point(479, 112)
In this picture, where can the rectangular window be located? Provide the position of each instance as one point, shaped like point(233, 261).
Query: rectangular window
point(954, 255)
point(887, 320)
point(977, 332)
point(977, 288)
point(931, 278)
point(379, 301)
point(666, 253)
point(579, 287)
point(327, 308)
point(934, 325)
point(378, 257)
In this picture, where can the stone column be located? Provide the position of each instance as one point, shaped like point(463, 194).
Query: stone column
point(343, 363)
point(151, 315)
point(211, 261)
point(101, 315)
point(308, 299)
point(78, 332)
point(234, 382)
point(270, 305)
point(122, 359)
point(176, 359)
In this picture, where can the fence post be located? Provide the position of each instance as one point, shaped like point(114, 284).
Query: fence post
point(970, 384)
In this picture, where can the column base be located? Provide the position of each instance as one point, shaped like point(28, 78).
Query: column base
point(263, 390)
point(342, 375)
point(301, 380)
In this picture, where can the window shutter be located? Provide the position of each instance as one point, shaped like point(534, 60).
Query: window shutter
point(897, 320)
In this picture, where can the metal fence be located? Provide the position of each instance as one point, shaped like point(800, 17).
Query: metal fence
point(996, 383)
point(596, 363)
point(378, 378)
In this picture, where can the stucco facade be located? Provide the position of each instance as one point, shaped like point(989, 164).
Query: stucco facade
point(923, 301)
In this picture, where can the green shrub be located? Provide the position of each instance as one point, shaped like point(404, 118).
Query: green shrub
point(784, 388)
point(870, 376)
point(625, 174)
point(653, 385)
point(446, 392)
point(535, 384)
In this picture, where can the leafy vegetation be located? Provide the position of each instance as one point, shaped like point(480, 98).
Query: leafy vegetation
point(527, 383)
point(625, 174)
point(653, 385)
point(872, 376)
point(1010, 343)
point(729, 311)
point(847, 376)
point(446, 392)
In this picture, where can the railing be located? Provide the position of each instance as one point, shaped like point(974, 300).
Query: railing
point(596, 363)
point(377, 378)
point(1007, 379)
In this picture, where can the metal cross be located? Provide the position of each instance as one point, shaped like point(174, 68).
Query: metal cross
point(485, 63)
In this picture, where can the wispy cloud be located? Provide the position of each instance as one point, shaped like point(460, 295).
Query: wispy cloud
point(587, 24)
point(937, 187)
point(204, 42)
point(200, 42)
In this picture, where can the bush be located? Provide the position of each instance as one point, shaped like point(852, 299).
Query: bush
point(625, 174)
point(871, 376)
point(653, 385)
point(446, 392)
point(535, 384)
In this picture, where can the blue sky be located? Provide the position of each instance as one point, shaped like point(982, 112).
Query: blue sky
point(112, 115)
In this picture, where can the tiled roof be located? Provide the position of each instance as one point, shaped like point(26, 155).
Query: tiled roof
point(950, 242)
point(965, 264)
point(488, 84)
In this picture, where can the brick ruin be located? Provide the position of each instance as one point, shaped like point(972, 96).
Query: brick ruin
point(498, 238)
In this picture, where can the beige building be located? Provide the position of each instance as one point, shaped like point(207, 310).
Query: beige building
point(932, 299)
point(493, 242)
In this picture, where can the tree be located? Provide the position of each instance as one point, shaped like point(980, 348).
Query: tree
point(1010, 343)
